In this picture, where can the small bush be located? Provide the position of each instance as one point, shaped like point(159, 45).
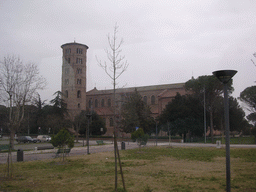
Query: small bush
point(140, 137)
point(62, 139)
point(139, 133)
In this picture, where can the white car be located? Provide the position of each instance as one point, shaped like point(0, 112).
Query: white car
point(48, 138)
point(44, 138)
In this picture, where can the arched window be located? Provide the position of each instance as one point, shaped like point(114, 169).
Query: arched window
point(78, 105)
point(90, 103)
point(78, 94)
point(79, 81)
point(96, 103)
point(66, 93)
point(79, 60)
point(111, 122)
point(79, 71)
point(145, 99)
point(109, 102)
point(102, 102)
point(79, 51)
point(153, 100)
point(68, 51)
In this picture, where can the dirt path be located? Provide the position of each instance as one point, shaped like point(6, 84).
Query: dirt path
point(33, 155)
point(51, 154)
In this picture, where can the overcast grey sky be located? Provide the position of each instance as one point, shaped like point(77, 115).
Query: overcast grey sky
point(164, 41)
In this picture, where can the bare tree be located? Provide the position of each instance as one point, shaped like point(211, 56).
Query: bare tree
point(19, 83)
point(252, 59)
point(114, 69)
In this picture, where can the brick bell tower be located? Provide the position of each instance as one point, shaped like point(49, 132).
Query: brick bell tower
point(73, 83)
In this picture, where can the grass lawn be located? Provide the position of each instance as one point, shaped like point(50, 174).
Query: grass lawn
point(233, 140)
point(149, 169)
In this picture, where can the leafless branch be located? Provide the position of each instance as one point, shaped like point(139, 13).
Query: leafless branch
point(253, 62)
point(116, 66)
point(18, 84)
point(114, 69)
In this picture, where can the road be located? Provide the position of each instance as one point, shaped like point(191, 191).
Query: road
point(30, 153)
point(33, 154)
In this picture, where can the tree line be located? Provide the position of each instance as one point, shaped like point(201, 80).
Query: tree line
point(42, 118)
point(25, 112)
point(184, 115)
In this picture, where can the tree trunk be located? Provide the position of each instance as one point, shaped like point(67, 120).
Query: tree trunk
point(63, 154)
point(120, 165)
point(76, 132)
point(12, 135)
point(211, 121)
point(184, 137)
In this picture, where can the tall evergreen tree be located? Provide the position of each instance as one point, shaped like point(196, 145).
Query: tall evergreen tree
point(96, 123)
point(136, 113)
point(248, 96)
point(237, 116)
point(212, 88)
point(184, 115)
point(59, 106)
point(53, 115)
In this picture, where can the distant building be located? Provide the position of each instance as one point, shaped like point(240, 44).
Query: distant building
point(156, 97)
point(101, 101)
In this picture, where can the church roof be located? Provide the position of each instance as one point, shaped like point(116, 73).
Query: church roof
point(167, 93)
point(139, 89)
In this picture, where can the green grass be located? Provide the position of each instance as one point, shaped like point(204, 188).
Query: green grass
point(242, 140)
point(146, 170)
point(199, 154)
point(233, 140)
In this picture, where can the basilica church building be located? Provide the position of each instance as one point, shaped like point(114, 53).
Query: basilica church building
point(101, 101)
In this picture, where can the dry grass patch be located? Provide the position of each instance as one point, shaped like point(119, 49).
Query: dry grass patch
point(170, 174)
point(151, 169)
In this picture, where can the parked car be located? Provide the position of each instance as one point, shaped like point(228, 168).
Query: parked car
point(49, 138)
point(43, 138)
point(24, 139)
point(35, 140)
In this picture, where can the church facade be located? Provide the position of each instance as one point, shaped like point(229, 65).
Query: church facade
point(102, 101)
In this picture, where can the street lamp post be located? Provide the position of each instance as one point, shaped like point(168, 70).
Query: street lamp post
point(156, 133)
point(169, 133)
point(204, 118)
point(224, 76)
point(87, 132)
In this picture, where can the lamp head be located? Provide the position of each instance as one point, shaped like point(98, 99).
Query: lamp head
point(224, 75)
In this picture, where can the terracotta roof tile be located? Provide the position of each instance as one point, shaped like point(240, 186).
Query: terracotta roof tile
point(171, 93)
point(139, 89)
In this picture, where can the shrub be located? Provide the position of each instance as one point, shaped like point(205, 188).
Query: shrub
point(63, 139)
point(140, 137)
